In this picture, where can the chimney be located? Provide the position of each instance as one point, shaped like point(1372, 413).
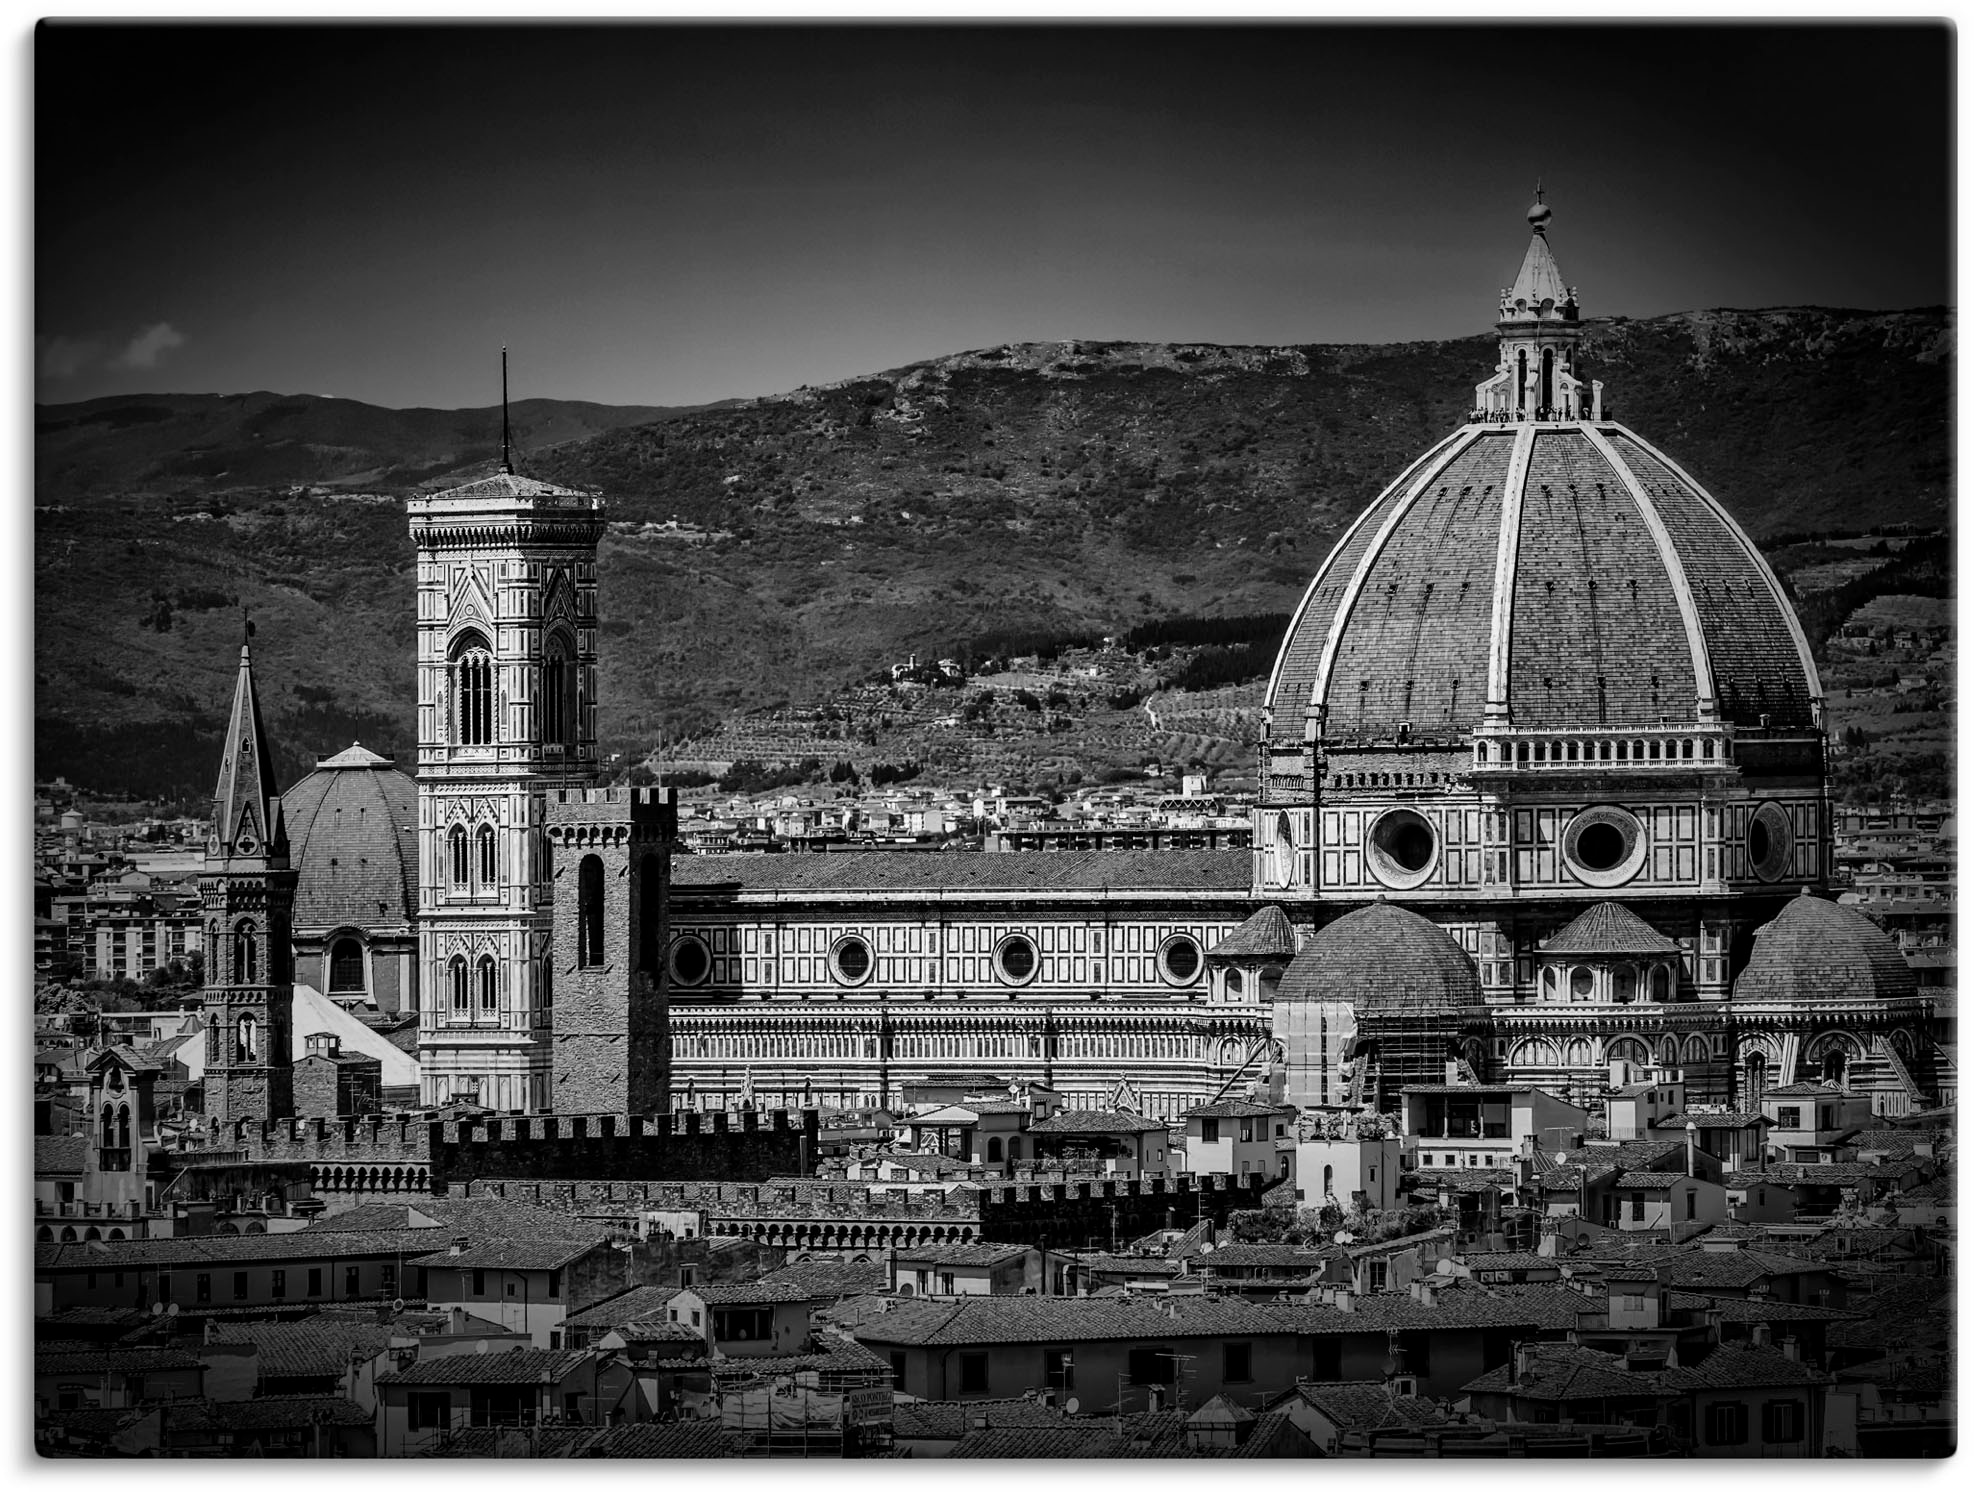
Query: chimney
point(1620, 1072)
point(457, 1247)
point(1760, 1334)
point(1692, 1140)
point(1452, 1071)
point(1518, 1367)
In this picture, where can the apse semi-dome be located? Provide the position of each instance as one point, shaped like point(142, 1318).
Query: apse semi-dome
point(1383, 961)
point(1817, 951)
point(352, 825)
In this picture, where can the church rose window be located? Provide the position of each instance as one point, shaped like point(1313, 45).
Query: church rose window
point(1015, 959)
point(1403, 849)
point(850, 960)
point(1771, 842)
point(689, 962)
point(1604, 846)
point(1179, 959)
point(345, 966)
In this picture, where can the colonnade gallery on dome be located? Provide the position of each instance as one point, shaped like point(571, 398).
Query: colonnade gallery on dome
point(1542, 788)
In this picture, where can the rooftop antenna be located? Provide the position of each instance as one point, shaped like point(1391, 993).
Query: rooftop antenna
point(506, 460)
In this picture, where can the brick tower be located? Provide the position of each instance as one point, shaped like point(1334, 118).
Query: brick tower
point(611, 851)
point(247, 899)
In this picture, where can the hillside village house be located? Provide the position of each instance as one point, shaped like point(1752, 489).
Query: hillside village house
point(1488, 1125)
point(1236, 1137)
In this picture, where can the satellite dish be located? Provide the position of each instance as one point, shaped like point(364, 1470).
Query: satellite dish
point(397, 1306)
point(172, 1309)
point(1071, 1406)
point(1343, 1237)
point(157, 1308)
point(1445, 1266)
point(1207, 1248)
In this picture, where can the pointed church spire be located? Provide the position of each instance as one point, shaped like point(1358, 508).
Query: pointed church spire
point(246, 808)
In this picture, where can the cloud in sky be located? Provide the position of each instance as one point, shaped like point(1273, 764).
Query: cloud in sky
point(149, 345)
point(64, 357)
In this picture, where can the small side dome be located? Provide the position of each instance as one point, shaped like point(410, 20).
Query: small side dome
point(353, 826)
point(1267, 934)
point(1384, 961)
point(1817, 951)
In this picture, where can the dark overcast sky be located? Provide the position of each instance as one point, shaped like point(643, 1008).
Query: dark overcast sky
point(674, 214)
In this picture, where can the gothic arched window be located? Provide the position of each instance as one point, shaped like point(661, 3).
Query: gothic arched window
point(558, 698)
point(246, 1040)
point(345, 967)
point(246, 954)
point(456, 979)
point(489, 985)
point(473, 693)
point(489, 858)
point(456, 854)
point(589, 913)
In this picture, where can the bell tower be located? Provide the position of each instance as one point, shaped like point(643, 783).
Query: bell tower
point(247, 900)
point(506, 716)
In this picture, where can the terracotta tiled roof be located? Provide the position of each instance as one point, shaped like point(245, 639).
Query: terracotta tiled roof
point(59, 1155)
point(222, 1249)
point(305, 1349)
point(1187, 873)
point(1559, 1372)
point(633, 1305)
point(1743, 1365)
point(88, 1357)
point(1096, 1121)
point(945, 1419)
point(1267, 934)
point(964, 1255)
point(1818, 951)
point(1607, 927)
point(1236, 1108)
point(511, 1253)
point(519, 1365)
point(1367, 1405)
point(1383, 960)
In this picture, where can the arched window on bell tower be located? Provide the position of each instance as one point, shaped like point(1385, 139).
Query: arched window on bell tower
point(456, 859)
point(246, 954)
point(558, 696)
point(489, 985)
point(489, 858)
point(456, 980)
point(472, 692)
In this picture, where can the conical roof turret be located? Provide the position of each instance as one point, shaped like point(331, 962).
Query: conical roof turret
point(246, 807)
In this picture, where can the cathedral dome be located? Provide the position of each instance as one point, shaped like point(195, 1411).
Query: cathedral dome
point(1817, 951)
point(1541, 569)
point(1550, 576)
point(1384, 961)
point(353, 823)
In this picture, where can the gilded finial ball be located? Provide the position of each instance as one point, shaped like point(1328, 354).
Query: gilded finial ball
point(1539, 215)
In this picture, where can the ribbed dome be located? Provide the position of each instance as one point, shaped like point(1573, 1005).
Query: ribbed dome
point(1565, 571)
point(352, 825)
point(1384, 960)
point(1816, 951)
point(1267, 934)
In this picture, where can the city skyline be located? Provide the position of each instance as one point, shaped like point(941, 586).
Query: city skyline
point(679, 213)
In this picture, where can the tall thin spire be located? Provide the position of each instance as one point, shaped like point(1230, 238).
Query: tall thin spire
point(246, 806)
point(506, 457)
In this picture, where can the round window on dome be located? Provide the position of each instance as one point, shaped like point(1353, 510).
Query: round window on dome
point(850, 960)
point(1015, 959)
point(1771, 842)
point(1402, 849)
point(1604, 846)
point(1179, 959)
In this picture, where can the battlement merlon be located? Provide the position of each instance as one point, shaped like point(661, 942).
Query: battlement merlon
point(649, 813)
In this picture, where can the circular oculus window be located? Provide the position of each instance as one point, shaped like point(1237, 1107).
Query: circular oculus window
point(1771, 842)
point(1604, 846)
point(850, 960)
point(1179, 959)
point(1402, 849)
point(1015, 960)
point(688, 961)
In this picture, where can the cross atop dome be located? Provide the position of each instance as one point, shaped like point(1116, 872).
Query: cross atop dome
point(1536, 377)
